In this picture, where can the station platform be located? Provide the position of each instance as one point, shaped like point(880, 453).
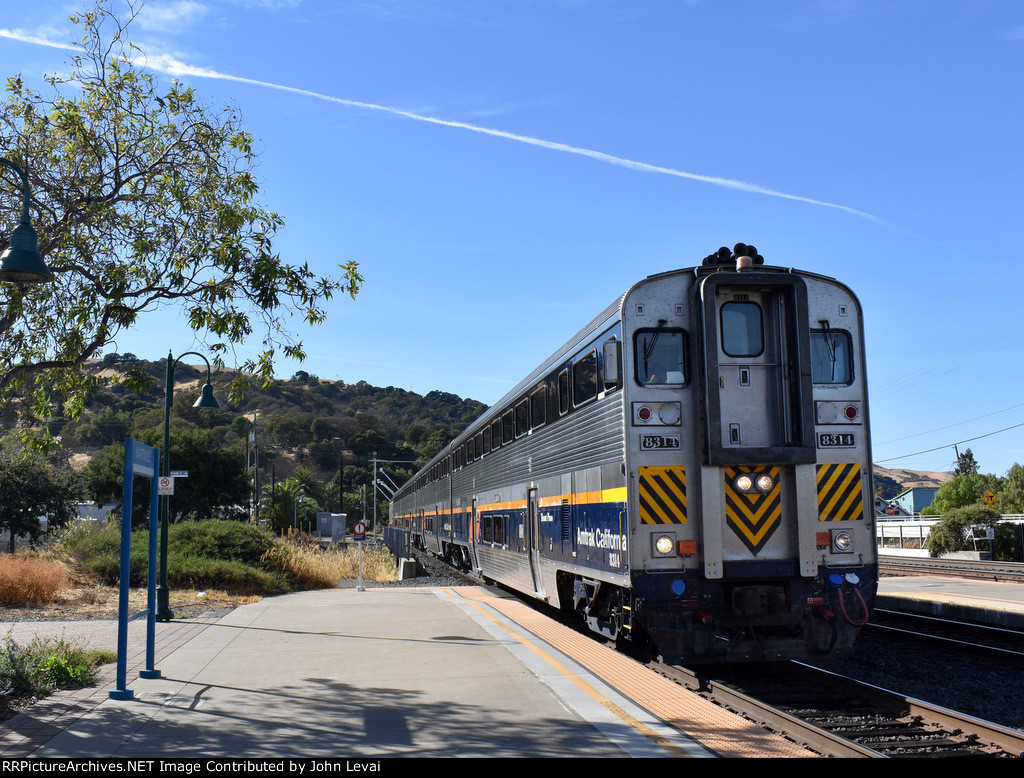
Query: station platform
point(377, 674)
point(995, 603)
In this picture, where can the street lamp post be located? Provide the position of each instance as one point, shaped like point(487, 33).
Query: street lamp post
point(21, 263)
point(206, 400)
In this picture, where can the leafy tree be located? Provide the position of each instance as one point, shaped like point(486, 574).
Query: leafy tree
point(965, 463)
point(216, 485)
point(287, 505)
point(962, 490)
point(1011, 497)
point(142, 197)
point(31, 487)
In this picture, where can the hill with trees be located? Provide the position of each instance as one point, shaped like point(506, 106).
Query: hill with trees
point(283, 444)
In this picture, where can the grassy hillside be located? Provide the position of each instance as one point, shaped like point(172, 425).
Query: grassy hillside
point(300, 425)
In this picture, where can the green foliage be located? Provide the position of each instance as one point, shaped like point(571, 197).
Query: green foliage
point(142, 196)
point(966, 463)
point(289, 504)
point(32, 487)
point(44, 665)
point(954, 531)
point(962, 490)
point(234, 556)
point(1011, 496)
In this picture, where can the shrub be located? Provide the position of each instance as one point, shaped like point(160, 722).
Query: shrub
point(194, 572)
point(45, 665)
point(232, 556)
point(30, 580)
point(953, 532)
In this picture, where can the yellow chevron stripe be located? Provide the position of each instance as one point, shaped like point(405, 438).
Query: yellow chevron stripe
point(662, 495)
point(840, 493)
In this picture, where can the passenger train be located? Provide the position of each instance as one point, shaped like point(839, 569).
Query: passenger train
point(691, 472)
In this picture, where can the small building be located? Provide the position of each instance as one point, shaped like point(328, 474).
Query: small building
point(888, 509)
point(915, 499)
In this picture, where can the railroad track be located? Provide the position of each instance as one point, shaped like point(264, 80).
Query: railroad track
point(841, 717)
point(957, 568)
point(967, 639)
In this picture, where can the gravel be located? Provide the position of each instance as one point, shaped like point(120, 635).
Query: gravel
point(986, 690)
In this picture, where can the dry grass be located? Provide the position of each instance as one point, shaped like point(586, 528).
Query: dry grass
point(26, 579)
point(317, 568)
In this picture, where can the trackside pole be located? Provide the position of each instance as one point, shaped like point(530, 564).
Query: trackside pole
point(143, 460)
point(154, 509)
point(359, 535)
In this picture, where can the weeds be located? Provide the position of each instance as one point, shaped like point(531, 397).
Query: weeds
point(27, 579)
point(315, 568)
point(44, 665)
point(233, 556)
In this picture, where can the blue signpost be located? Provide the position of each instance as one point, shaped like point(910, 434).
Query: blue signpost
point(139, 459)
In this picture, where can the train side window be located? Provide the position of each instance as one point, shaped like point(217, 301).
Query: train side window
point(487, 530)
point(507, 428)
point(487, 440)
point(480, 445)
point(522, 418)
point(499, 530)
point(470, 450)
point(495, 434)
point(584, 379)
point(742, 329)
point(538, 408)
point(660, 356)
point(831, 357)
point(563, 393)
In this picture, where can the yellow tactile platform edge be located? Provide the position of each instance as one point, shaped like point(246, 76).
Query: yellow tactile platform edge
point(718, 730)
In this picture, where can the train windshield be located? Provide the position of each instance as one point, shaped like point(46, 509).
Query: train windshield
point(831, 354)
point(660, 356)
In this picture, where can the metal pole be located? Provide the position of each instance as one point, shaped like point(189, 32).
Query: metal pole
point(163, 607)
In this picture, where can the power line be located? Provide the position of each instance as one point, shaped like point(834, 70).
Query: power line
point(957, 443)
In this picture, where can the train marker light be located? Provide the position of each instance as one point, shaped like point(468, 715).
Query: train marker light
point(743, 483)
point(765, 483)
point(842, 541)
point(664, 545)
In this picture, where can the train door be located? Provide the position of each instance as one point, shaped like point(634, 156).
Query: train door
point(533, 539)
point(756, 370)
point(757, 421)
point(474, 532)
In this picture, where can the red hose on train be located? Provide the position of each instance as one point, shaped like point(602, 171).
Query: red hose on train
point(863, 608)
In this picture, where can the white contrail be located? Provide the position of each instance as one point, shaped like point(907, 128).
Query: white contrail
point(174, 67)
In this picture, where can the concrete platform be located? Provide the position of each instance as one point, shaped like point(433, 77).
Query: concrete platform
point(388, 672)
point(986, 602)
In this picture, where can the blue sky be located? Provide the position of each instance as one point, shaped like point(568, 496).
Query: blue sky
point(502, 170)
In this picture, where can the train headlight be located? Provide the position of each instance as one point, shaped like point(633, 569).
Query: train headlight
point(765, 482)
point(842, 541)
point(664, 544)
point(744, 483)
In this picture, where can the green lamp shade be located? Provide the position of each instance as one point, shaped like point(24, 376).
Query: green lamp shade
point(21, 262)
point(206, 399)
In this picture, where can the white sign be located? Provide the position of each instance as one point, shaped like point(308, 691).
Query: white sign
point(165, 485)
